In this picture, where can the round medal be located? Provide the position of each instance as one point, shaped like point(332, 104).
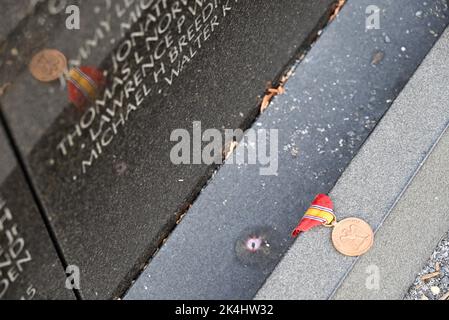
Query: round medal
point(353, 237)
point(48, 65)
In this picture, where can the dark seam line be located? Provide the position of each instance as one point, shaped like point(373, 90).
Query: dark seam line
point(29, 181)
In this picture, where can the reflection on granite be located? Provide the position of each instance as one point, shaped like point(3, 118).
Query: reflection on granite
point(13, 12)
point(103, 172)
point(29, 265)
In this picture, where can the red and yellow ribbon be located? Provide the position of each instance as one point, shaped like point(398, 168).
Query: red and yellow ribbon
point(84, 85)
point(321, 212)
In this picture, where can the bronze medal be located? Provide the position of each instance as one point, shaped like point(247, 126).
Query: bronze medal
point(352, 237)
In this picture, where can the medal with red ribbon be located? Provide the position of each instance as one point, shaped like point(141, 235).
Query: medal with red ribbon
point(84, 84)
point(351, 236)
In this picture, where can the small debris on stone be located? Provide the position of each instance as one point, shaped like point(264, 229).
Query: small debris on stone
point(229, 149)
point(14, 52)
point(295, 152)
point(337, 10)
point(3, 88)
point(182, 214)
point(433, 281)
point(430, 276)
point(272, 92)
point(435, 290)
point(377, 58)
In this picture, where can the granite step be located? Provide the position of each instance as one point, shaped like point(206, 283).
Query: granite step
point(333, 101)
point(398, 183)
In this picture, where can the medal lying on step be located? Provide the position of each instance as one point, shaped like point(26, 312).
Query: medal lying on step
point(352, 236)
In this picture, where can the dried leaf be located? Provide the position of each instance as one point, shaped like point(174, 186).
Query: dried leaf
point(266, 102)
point(430, 276)
point(281, 90)
point(337, 10)
point(178, 221)
point(3, 88)
point(229, 149)
point(271, 93)
point(437, 267)
point(287, 76)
